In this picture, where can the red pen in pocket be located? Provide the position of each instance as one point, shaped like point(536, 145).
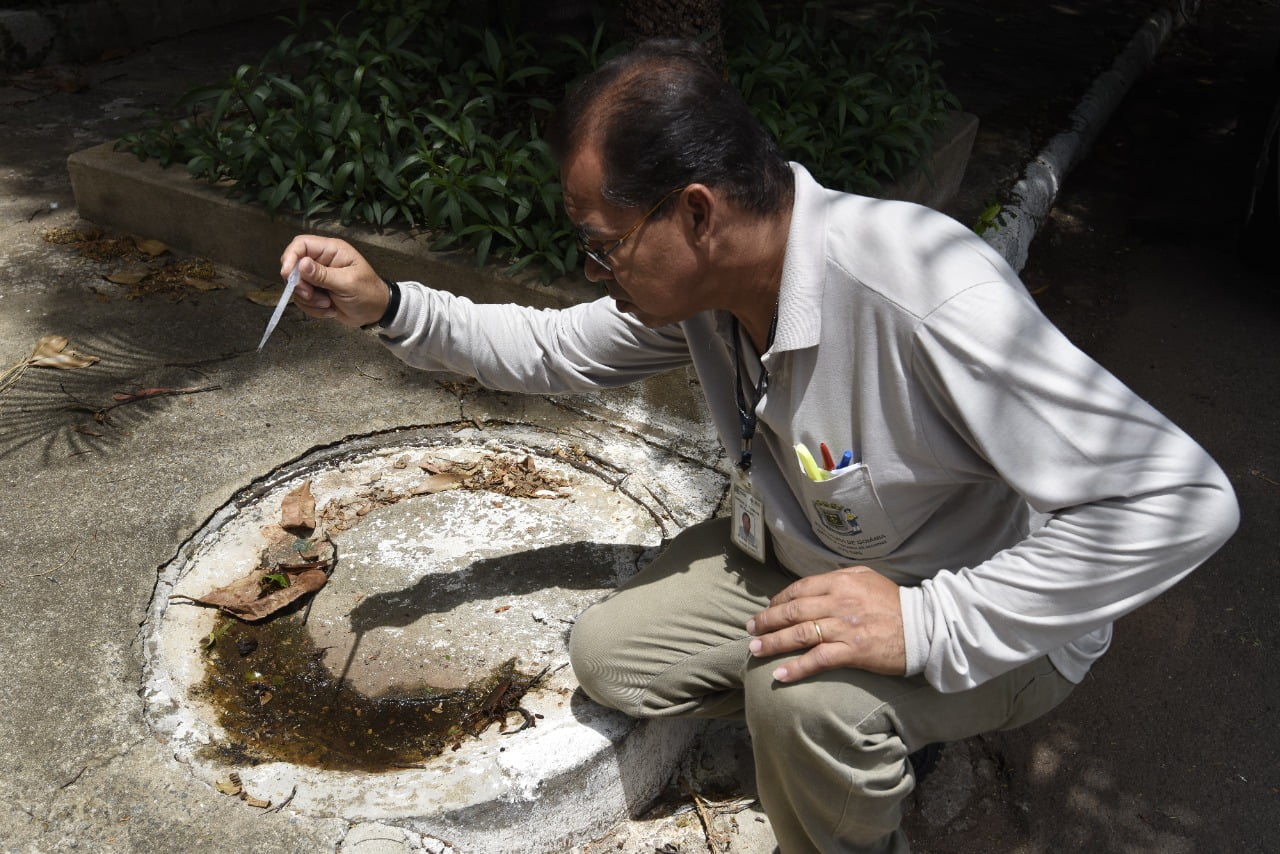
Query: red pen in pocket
point(828, 461)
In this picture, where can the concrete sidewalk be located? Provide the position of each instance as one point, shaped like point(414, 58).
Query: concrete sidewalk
point(101, 495)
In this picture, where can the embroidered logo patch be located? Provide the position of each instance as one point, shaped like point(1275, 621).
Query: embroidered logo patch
point(837, 518)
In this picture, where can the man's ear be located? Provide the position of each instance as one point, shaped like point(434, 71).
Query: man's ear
point(700, 205)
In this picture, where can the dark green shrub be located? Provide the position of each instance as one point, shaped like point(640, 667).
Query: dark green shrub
point(858, 105)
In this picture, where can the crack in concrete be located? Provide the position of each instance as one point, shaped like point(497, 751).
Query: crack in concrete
point(91, 767)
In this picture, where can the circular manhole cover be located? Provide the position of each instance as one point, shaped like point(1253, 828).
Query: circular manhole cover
point(459, 560)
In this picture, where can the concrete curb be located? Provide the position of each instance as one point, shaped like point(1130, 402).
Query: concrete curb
point(1036, 192)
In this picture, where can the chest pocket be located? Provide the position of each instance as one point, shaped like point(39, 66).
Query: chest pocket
point(846, 515)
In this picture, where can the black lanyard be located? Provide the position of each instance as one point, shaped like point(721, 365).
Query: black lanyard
point(747, 414)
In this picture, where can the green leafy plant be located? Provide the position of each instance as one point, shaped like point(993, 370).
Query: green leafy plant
point(414, 120)
point(210, 640)
point(992, 218)
point(401, 115)
point(276, 579)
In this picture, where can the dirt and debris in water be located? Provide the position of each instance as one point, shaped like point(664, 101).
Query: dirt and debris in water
point(273, 694)
point(277, 701)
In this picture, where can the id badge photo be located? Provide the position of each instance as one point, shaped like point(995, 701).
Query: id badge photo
point(748, 516)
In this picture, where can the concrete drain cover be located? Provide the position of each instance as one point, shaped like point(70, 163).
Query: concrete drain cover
point(457, 551)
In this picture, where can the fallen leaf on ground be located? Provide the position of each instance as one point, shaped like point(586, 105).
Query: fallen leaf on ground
point(230, 785)
point(202, 284)
point(51, 352)
point(303, 565)
point(267, 298)
point(439, 483)
point(248, 599)
point(128, 276)
point(298, 510)
point(150, 247)
point(285, 549)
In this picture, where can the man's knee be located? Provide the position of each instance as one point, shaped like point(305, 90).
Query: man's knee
point(822, 708)
point(594, 656)
point(589, 641)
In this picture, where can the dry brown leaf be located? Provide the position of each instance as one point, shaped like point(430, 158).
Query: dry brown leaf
point(430, 466)
point(50, 345)
point(267, 298)
point(51, 352)
point(229, 786)
point(246, 599)
point(128, 276)
point(150, 247)
point(202, 284)
point(65, 361)
point(285, 549)
point(298, 510)
point(439, 483)
point(302, 563)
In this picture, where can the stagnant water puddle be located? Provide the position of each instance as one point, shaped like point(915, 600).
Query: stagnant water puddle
point(277, 700)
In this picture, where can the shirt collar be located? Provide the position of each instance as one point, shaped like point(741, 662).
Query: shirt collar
point(803, 267)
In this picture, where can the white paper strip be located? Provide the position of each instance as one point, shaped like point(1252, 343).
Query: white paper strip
point(284, 300)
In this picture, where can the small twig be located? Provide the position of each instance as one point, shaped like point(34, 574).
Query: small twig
point(735, 807)
point(361, 371)
point(713, 838)
point(59, 567)
point(661, 503)
point(100, 413)
point(11, 375)
point(283, 803)
point(1260, 476)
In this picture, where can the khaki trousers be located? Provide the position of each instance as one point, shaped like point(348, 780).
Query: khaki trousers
point(830, 751)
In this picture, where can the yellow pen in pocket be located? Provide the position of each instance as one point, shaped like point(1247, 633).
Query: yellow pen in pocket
point(809, 464)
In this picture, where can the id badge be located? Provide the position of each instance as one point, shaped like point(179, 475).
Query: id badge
point(748, 516)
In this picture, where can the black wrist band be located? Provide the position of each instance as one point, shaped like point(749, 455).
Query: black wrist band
point(393, 303)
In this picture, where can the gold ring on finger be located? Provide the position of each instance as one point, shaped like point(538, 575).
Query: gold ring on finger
point(817, 629)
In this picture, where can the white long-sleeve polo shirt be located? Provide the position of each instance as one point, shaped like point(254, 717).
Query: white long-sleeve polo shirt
point(905, 339)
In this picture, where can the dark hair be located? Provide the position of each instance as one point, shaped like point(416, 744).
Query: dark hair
point(663, 118)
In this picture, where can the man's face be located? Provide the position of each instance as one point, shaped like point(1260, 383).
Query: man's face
point(655, 270)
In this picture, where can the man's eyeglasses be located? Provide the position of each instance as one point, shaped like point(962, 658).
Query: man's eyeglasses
point(601, 255)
